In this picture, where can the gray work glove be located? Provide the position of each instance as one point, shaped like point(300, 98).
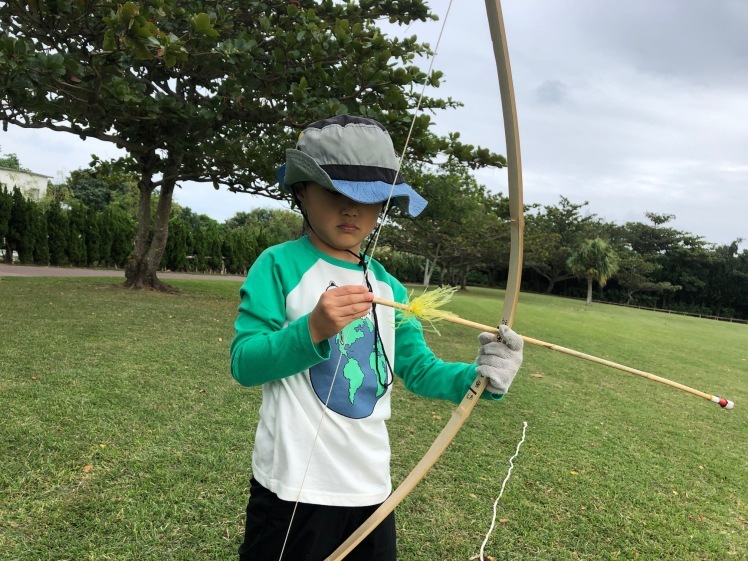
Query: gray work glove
point(499, 360)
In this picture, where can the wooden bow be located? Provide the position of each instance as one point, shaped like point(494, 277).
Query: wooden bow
point(461, 414)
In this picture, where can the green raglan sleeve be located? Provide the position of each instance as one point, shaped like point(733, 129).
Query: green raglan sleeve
point(263, 349)
point(422, 372)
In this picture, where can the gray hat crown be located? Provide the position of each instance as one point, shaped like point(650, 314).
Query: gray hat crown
point(352, 155)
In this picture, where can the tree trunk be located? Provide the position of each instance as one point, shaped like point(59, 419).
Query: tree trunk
point(428, 272)
point(589, 290)
point(142, 266)
point(463, 278)
point(9, 249)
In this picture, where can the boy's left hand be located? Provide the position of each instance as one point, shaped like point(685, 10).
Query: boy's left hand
point(499, 360)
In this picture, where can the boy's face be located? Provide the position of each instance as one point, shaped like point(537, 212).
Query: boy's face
point(338, 223)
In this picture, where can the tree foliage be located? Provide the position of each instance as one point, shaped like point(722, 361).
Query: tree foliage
point(462, 228)
point(102, 184)
point(59, 234)
point(11, 161)
point(19, 236)
point(595, 261)
point(552, 235)
point(6, 205)
point(635, 275)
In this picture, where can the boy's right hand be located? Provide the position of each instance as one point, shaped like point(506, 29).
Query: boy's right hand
point(337, 308)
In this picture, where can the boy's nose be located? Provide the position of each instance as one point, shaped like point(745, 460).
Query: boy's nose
point(350, 208)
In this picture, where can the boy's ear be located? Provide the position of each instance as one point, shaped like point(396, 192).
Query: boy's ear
point(297, 189)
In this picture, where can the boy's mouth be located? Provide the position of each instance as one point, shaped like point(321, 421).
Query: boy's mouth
point(347, 228)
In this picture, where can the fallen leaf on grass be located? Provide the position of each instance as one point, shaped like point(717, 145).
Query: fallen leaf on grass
point(87, 468)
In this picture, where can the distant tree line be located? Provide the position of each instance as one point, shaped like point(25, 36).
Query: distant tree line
point(70, 233)
point(461, 239)
point(51, 233)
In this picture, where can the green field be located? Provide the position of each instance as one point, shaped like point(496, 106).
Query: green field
point(124, 437)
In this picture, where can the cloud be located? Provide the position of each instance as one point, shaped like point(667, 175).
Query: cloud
point(634, 107)
point(551, 92)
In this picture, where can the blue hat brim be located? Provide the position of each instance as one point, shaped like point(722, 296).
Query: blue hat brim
point(368, 192)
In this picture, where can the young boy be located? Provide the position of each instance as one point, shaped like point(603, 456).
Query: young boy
point(325, 357)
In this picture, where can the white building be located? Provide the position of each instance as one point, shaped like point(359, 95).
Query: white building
point(32, 185)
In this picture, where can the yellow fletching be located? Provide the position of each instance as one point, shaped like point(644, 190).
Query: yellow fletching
point(426, 307)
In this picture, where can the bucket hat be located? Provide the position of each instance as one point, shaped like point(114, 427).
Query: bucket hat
point(351, 155)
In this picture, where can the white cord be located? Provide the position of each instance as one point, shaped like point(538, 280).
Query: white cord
point(311, 451)
point(383, 215)
point(496, 502)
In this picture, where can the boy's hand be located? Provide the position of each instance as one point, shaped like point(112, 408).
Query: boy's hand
point(337, 308)
point(499, 360)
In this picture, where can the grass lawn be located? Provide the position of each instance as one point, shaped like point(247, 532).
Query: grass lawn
point(123, 436)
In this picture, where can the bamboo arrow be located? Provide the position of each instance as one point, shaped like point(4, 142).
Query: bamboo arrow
point(446, 316)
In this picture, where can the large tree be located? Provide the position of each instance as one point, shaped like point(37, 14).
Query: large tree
point(552, 235)
point(635, 275)
point(463, 226)
point(682, 259)
point(209, 92)
point(594, 261)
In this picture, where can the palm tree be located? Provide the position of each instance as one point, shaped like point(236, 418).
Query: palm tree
point(595, 260)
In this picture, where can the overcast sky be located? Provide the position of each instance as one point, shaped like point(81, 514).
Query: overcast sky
point(633, 106)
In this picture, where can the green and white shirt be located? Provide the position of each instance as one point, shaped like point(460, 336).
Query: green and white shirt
point(347, 439)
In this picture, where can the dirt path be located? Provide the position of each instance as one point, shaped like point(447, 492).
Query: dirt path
point(31, 271)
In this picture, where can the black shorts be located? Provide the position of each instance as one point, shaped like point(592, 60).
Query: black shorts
point(316, 532)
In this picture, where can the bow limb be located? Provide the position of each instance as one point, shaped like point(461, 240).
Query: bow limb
point(513, 158)
point(461, 414)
